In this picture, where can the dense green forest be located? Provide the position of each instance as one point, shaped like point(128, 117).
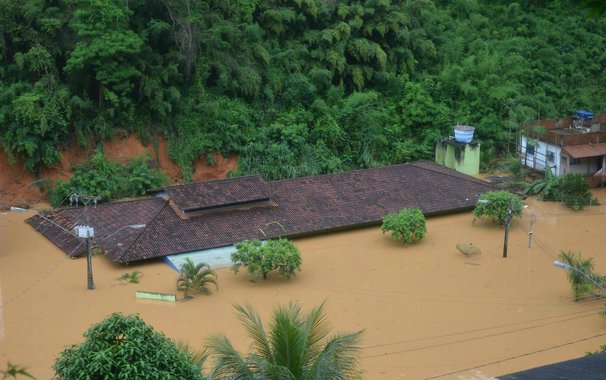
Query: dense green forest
point(296, 87)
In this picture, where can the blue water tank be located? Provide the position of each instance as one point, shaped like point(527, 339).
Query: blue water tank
point(584, 114)
point(463, 133)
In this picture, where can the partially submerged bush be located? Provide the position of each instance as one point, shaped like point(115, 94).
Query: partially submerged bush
point(495, 204)
point(261, 257)
point(574, 192)
point(196, 278)
point(581, 276)
point(570, 189)
point(408, 225)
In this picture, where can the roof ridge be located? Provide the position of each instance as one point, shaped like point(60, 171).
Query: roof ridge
point(144, 229)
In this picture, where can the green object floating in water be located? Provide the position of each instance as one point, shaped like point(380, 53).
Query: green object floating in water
point(156, 296)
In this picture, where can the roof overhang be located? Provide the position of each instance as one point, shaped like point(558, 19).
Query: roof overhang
point(585, 150)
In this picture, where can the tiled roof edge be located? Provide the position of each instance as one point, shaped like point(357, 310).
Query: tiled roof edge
point(119, 259)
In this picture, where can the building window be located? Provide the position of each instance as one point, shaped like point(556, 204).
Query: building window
point(530, 149)
point(575, 161)
point(550, 156)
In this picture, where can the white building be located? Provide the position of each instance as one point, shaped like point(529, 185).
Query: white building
point(568, 145)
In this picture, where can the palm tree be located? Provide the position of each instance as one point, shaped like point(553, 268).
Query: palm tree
point(295, 347)
point(581, 277)
point(195, 278)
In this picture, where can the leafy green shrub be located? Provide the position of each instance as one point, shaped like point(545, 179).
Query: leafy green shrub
point(125, 347)
point(260, 258)
point(582, 278)
point(109, 179)
point(570, 189)
point(495, 205)
point(407, 226)
point(574, 191)
point(195, 278)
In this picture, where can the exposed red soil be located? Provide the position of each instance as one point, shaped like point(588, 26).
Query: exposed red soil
point(17, 184)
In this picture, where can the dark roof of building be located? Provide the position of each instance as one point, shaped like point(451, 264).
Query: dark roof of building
point(299, 207)
point(589, 367)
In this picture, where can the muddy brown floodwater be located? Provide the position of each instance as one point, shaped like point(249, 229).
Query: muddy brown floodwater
point(427, 311)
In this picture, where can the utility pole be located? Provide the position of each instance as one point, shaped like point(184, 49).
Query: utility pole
point(508, 222)
point(530, 231)
point(86, 232)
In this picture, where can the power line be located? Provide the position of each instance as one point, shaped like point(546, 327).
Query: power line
point(593, 313)
point(40, 278)
point(518, 356)
point(475, 330)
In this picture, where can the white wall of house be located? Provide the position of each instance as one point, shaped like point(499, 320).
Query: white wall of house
point(542, 154)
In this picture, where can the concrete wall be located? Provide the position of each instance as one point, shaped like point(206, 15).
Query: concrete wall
point(464, 158)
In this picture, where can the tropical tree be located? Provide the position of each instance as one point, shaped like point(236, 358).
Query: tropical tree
point(125, 347)
point(407, 226)
point(544, 188)
point(260, 258)
point(296, 346)
point(581, 276)
point(496, 204)
point(196, 278)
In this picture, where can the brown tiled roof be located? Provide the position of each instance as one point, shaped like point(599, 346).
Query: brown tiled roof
point(110, 221)
point(585, 150)
point(304, 206)
point(217, 193)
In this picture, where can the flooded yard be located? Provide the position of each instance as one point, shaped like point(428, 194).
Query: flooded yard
point(427, 311)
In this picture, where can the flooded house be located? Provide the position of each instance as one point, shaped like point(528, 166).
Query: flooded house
point(574, 144)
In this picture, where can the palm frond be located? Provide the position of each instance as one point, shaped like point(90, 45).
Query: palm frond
point(229, 363)
point(255, 330)
point(338, 360)
point(288, 339)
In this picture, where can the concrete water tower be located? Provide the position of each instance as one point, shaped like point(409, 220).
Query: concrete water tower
point(461, 152)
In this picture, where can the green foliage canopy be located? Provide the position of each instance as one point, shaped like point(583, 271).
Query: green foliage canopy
point(407, 226)
point(262, 257)
point(295, 87)
point(125, 347)
point(109, 179)
point(495, 204)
